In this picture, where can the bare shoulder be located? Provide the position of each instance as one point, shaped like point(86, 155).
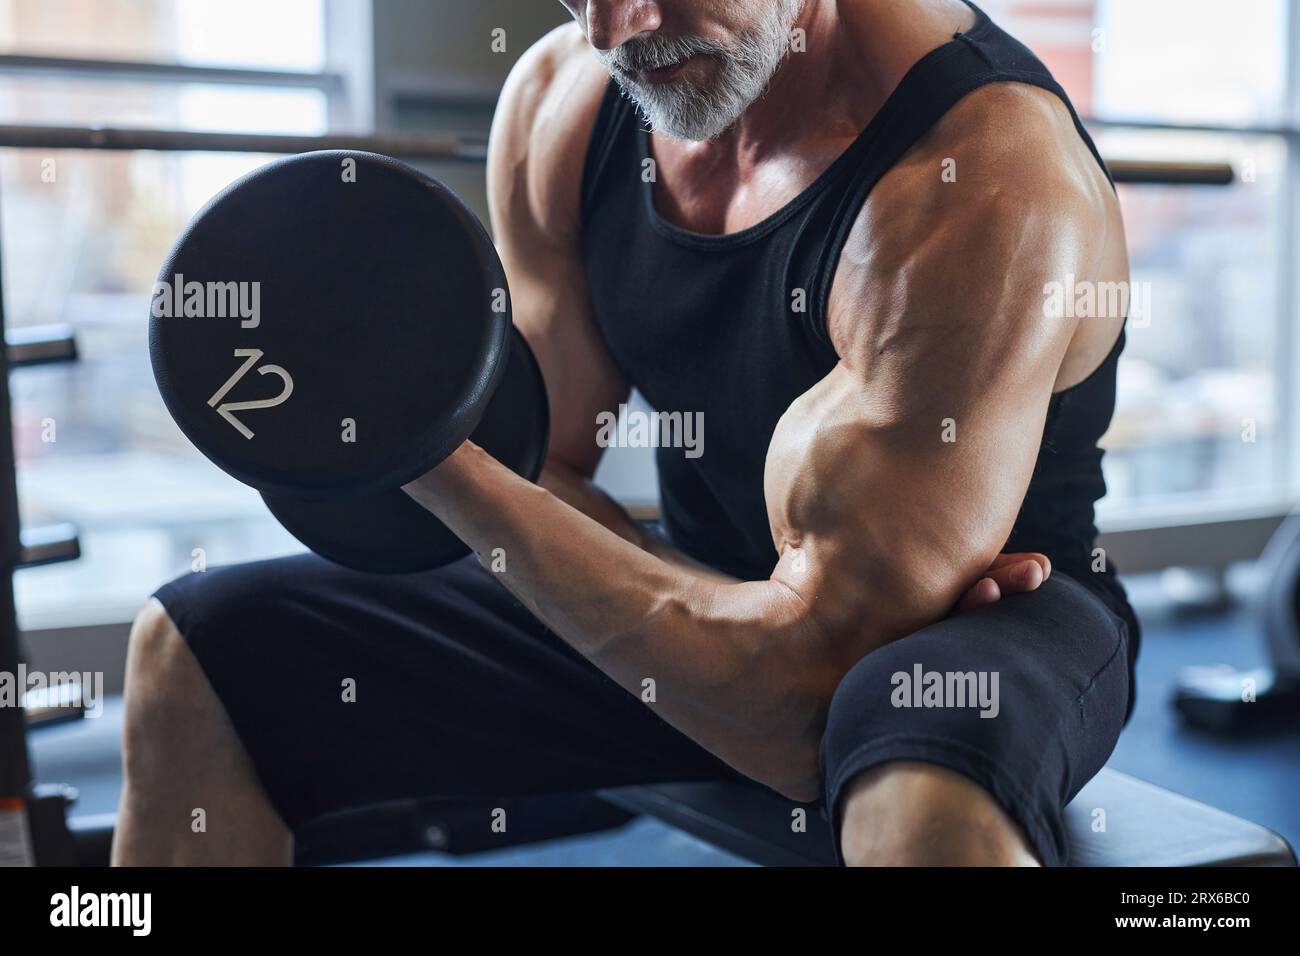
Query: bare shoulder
point(1005, 153)
point(541, 130)
point(1000, 197)
point(1018, 129)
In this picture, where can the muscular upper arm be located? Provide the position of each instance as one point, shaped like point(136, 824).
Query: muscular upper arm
point(535, 164)
point(896, 480)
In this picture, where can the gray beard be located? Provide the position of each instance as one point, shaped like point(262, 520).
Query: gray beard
point(683, 110)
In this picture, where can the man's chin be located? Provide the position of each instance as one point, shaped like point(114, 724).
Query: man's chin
point(693, 132)
point(684, 133)
point(680, 124)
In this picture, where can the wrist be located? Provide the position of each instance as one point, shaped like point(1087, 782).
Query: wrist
point(451, 474)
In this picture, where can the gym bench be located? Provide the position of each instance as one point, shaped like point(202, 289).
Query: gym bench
point(1145, 826)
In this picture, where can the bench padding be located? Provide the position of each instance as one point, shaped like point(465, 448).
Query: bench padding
point(1143, 825)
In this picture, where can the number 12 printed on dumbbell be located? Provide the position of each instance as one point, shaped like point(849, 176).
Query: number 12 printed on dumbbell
point(227, 409)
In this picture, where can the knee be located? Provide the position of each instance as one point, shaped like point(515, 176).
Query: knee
point(155, 649)
point(162, 680)
point(916, 814)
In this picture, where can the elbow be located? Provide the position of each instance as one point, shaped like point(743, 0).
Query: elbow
point(788, 729)
point(769, 696)
point(782, 744)
point(800, 779)
point(788, 756)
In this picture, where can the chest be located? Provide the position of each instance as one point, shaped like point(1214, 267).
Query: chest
point(714, 190)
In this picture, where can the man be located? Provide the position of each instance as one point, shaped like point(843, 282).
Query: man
point(838, 252)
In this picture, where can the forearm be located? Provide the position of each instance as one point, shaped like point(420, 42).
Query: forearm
point(581, 494)
point(732, 663)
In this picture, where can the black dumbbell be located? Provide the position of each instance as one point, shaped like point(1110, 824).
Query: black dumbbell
point(329, 328)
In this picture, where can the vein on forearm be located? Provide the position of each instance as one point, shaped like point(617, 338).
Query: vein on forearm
point(718, 651)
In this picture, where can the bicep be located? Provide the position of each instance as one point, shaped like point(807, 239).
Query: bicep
point(897, 479)
point(882, 521)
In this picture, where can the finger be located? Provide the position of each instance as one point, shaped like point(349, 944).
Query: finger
point(984, 591)
point(1018, 557)
point(1018, 578)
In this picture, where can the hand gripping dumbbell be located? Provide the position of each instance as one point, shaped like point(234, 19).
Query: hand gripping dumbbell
point(329, 328)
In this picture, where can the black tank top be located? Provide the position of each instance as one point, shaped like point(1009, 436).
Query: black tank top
point(704, 323)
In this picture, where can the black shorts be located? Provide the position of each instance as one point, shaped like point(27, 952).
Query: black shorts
point(349, 689)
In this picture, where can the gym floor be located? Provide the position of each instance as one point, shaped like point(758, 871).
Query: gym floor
point(1250, 777)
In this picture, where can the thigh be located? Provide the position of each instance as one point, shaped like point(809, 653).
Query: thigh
point(1026, 697)
point(348, 689)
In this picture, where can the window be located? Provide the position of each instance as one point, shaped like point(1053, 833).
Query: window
point(1197, 428)
point(1191, 61)
point(82, 235)
point(280, 35)
point(1196, 422)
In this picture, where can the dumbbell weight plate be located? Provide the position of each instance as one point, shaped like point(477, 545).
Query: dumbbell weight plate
point(379, 334)
point(388, 532)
